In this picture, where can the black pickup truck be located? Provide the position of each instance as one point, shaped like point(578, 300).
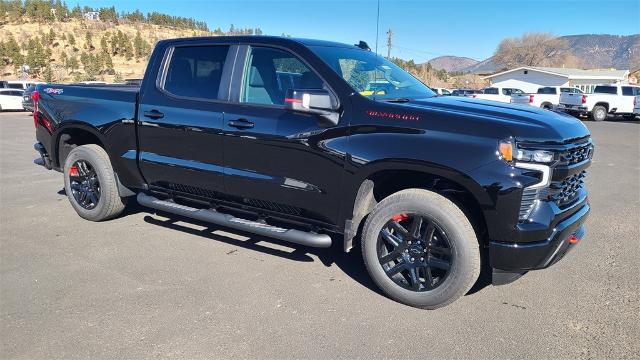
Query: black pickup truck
point(320, 143)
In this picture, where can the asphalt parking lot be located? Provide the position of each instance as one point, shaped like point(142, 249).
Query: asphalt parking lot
point(144, 286)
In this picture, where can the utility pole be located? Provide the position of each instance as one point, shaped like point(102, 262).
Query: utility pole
point(389, 41)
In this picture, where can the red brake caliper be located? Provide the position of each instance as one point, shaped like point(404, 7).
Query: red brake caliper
point(400, 217)
point(73, 171)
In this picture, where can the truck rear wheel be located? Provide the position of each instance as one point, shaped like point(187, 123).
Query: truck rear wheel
point(420, 249)
point(90, 184)
point(599, 113)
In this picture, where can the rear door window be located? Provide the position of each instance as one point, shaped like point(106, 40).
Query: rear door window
point(629, 91)
point(196, 71)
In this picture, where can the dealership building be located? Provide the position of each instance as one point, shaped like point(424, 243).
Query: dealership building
point(530, 78)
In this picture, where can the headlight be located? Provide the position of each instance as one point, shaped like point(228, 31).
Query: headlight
point(508, 151)
point(540, 156)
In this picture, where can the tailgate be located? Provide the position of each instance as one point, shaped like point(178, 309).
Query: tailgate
point(520, 98)
point(572, 99)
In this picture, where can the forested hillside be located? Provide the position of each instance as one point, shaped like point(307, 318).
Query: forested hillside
point(59, 43)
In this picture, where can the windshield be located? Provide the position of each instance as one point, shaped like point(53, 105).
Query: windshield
point(372, 75)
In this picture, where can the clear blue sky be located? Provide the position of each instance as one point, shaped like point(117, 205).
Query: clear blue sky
point(422, 29)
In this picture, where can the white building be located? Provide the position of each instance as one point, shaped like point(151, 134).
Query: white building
point(92, 15)
point(530, 78)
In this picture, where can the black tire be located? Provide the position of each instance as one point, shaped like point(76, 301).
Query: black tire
point(445, 215)
point(599, 113)
point(547, 106)
point(109, 204)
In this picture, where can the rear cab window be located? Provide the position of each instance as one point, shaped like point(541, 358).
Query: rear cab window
point(491, 91)
point(511, 91)
point(629, 91)
point(601, 89)
point(547, 90)
point(195, 71)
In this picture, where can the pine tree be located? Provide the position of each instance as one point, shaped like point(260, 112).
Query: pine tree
point(140, 46)
point(108, 62)
point(104, 43)
point(48, 74)
point(72, 63)
point(88, 41)
point(64, 58)
point(12, 51)
point(76, 12)
point(51, 36)
point(72, 40)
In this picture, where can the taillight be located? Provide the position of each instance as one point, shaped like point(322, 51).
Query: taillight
point(530, 99)
point(35, 96)
point(584, 99)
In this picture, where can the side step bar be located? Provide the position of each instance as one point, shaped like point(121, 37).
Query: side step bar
point(212, 216)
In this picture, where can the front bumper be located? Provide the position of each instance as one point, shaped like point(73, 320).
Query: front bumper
point(522, 257)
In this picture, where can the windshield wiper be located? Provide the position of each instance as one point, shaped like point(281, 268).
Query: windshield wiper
point(396, 100)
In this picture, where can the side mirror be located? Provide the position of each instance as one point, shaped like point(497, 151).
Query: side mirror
point(312, 101)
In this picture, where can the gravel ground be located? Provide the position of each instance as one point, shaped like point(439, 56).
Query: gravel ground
point(144, 286)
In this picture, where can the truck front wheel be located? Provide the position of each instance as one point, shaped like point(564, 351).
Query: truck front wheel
point(420, 249)
point(90, 184)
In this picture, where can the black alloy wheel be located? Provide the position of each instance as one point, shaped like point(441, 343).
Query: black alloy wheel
point(84, 184)
point(414, 252)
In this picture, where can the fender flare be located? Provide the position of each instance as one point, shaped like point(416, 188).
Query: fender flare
point(359, 206)
point(71, 125)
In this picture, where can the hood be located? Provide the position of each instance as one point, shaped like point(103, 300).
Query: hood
point(524, 122)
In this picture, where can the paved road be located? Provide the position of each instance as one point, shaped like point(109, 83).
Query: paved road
point(142, 286)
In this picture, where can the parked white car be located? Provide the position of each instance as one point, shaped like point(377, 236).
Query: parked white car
point(606, 99)
point(21, 84)
point(11, 99)
point(547, 97)
point(497, 94)
point(442, 91)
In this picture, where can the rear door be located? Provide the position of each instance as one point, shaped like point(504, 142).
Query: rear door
point(276, 159)
point(180, 120)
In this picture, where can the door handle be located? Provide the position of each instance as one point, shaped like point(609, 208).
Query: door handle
point(241, 124)
point(154, 114)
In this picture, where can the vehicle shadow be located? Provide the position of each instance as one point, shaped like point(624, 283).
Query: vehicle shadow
point(350, 263)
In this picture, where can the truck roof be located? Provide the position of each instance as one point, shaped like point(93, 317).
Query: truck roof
point(261, 39)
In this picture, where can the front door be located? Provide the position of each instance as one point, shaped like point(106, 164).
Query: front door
point(274, 158)
point(181, 120)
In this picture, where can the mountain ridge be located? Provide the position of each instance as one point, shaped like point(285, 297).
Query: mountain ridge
point(593, 50)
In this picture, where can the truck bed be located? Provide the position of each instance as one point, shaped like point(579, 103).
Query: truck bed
point(108, 112)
